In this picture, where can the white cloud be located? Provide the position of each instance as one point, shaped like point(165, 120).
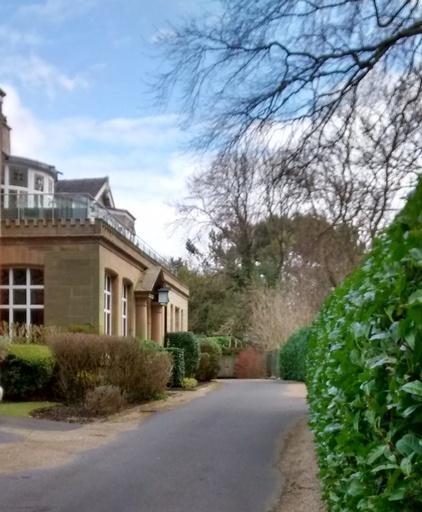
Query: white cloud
point(147, 177)
point(56, 11)
point(32, 70)
point(10, 37)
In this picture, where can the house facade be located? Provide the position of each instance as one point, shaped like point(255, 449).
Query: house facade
point(69, 256)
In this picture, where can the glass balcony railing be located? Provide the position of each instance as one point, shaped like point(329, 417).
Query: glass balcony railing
point(23, 206)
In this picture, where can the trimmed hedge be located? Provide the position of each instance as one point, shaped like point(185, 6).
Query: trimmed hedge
point(292, 358)
point(178, 368)
point(209, 362)
point(189, 343)
point(364, 377)
point(26, 372)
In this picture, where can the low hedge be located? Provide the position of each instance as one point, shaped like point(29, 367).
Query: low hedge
point(292, 358)
point(190, 345)
point(209, 362)
point(87, 361)
point(364, 377)
point(178, 369)
point(26, 372)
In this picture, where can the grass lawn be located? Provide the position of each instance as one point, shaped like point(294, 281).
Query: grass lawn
point(21, 408)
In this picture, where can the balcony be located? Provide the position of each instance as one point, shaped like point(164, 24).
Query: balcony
point(55, 207)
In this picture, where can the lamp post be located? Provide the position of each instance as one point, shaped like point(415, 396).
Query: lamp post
point(163, 299)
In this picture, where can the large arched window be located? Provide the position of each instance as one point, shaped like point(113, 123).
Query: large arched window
point(22, 296)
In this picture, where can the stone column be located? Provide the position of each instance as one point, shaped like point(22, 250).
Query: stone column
point(141, 318)
point(157, 324)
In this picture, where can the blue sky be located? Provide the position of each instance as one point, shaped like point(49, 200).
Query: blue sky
point(76, 75)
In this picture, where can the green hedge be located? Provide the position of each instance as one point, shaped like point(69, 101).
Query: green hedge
point(189, 343)
point(292, 357)
point(209, 362)
point(26, 372)
point(178, 369)
point(364, 377)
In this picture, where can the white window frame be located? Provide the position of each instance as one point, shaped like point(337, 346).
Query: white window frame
point(108, 304)
point(28, 307)
point(125, 309)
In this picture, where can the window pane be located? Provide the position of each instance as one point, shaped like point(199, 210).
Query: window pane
point(19, 297)
point(19, 276)
point(37, 316)
point(19, 316)
point(4, 297)
point(4, 276)
point(4, 316)
point(18, 177)
point(37, 276)
point(37, 297)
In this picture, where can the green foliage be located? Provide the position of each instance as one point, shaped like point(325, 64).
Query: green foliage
point(364, 377)
point(293, 356)
point(190, 344)
point(209, 362)
point(189, 383)
point(27, 371)
point(178, 367)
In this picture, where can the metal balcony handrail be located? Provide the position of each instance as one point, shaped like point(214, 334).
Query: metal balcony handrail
point(61, 205)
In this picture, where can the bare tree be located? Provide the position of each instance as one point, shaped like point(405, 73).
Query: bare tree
point(298, 66)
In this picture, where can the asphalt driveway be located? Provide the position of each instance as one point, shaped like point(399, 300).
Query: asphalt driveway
point(217, 453)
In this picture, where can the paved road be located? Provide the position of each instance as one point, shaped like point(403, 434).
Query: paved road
point(214, 454)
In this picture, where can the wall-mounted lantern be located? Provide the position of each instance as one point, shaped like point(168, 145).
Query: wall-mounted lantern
point(163, 296)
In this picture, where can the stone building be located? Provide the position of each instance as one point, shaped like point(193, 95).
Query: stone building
point(69, 256)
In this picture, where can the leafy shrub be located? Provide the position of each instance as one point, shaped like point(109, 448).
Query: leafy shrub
point(189, 383)
point(189, 343)
point(250, 364)
point(293, 356)
point(86, 361)
point(104, 400)
point(228, 344)
point(209, 362)
point(26, 371)
point(178, 367)
point(364, 377)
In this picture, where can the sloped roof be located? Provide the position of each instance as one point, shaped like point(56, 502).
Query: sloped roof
point(89, 186)
point(149, 281)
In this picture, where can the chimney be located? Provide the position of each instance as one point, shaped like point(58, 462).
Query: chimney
point(4, 136)
point(4, 128)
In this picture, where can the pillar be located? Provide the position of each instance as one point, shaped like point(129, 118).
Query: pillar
point(157, 323)
point(141, 318)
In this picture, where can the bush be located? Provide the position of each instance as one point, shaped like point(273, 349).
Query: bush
point(228, 344)
point(364, 377)
point(104, 400)
point(250, 364)
point(189, 343)
point(86, 361)
point(189, 383)
point(293, 356)
point(27, 371)
point(178, 367)
point(209, 362)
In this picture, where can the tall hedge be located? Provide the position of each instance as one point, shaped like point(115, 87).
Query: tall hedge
point(210, 358)
point(190, 345)
point(292, 357)
point(178, 366)
point(364, 377)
